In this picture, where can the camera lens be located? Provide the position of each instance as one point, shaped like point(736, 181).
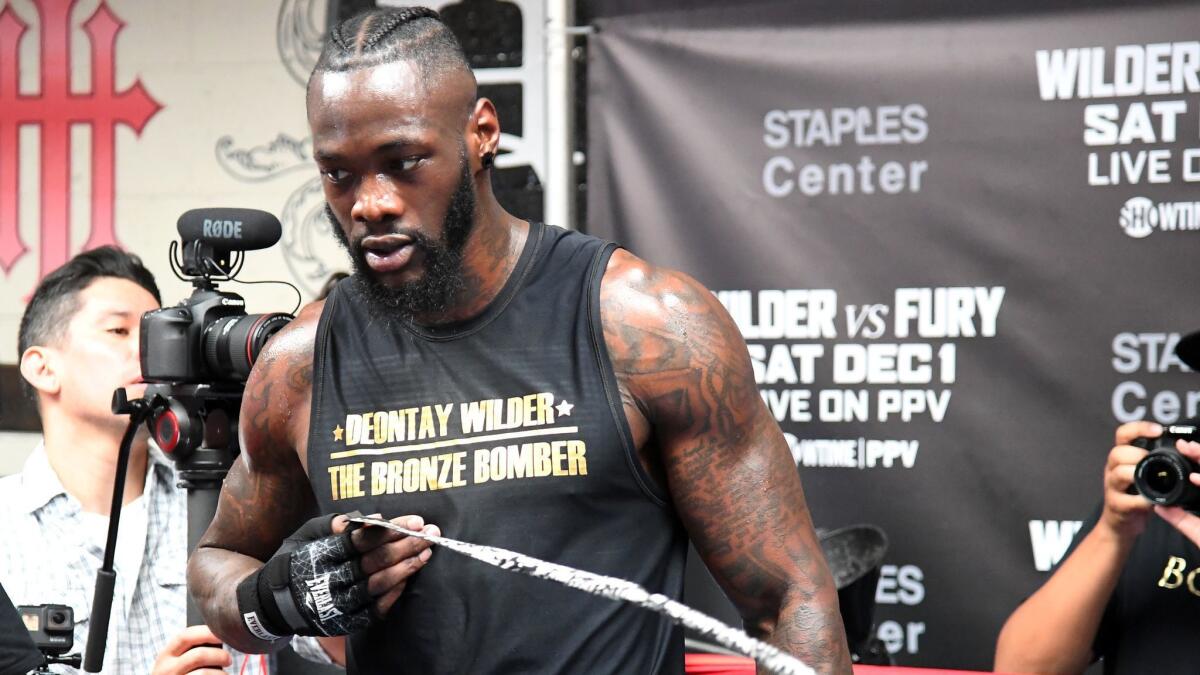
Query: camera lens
point(1161, 477)
point(58, 618)
point(232, 343)
point(1160, 480)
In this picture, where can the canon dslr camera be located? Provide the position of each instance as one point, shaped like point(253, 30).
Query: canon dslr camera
point(1162, 475)
point(209, 338)
point(197, 355)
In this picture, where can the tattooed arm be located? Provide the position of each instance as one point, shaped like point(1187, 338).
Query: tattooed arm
point(266, 495)
point(703, 431)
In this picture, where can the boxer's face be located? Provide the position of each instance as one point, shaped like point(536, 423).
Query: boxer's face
point(399, 194)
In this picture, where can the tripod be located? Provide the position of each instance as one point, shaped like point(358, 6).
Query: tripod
point(203, 448)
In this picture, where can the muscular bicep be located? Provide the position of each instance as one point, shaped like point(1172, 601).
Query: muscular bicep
point(258, 509)
point(725, 461)
point(266, 494)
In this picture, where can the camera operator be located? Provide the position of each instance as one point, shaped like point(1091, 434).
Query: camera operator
point(78, 343)
point(1128, 589)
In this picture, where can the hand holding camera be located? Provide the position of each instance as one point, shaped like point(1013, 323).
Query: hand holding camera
point(1167, 475)
point(1170, 477)
point(1153, 468)
point(1125, 511)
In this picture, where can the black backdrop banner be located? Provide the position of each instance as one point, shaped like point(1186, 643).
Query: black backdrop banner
point(960, 249)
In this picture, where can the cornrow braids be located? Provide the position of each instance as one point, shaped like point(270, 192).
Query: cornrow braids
point(390, 21)
point(336, 39)
point(392, 34)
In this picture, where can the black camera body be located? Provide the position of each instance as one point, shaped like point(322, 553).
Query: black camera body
point(52, 627)
point(1162, 475)
point(207, 338)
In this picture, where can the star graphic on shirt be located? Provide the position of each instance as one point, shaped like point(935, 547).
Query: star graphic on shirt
point(564, 408)
point(337, 432)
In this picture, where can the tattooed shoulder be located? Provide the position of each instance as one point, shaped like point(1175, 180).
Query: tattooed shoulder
point(280, 387)
point(670, 339)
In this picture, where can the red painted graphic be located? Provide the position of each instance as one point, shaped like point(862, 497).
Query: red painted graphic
point(55, 109)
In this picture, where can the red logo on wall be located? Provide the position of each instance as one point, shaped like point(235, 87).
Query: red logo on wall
point(55, 109)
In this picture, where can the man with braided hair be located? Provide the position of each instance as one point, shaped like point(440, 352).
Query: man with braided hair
point(519, 385)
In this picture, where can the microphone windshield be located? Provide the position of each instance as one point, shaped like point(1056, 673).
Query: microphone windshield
point(228, 228)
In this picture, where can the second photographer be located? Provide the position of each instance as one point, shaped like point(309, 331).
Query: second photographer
point(1128, 589)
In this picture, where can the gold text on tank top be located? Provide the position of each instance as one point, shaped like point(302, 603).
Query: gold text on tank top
point(485, 441)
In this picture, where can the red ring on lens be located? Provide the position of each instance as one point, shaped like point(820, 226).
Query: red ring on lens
point(172, 441)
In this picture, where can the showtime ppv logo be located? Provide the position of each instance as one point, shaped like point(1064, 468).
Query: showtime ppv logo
point(1140, 217)
point(55, 109)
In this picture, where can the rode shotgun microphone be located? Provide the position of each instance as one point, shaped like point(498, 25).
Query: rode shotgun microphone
point(230, 229)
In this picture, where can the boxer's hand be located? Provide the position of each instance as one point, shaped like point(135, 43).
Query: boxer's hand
point(326, 580)
point(194, 650)
point(1185, 522)
point(389, 558)
point(1125, 514)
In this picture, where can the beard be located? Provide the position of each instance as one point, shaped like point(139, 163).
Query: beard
point(433, 293)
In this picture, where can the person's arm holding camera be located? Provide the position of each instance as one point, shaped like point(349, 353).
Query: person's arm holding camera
point(1053, 630)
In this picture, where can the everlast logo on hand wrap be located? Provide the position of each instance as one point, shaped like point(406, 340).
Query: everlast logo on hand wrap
point(320, 598)
point(225, 229)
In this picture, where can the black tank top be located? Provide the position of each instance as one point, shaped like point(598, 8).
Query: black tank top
point(506, 430)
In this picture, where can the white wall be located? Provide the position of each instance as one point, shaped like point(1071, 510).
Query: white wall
point(15, 446)
point(221, 73)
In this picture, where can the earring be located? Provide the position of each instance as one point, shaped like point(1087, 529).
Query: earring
point(488, 159)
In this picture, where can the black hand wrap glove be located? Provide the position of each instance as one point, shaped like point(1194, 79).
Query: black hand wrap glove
point(314, 585)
